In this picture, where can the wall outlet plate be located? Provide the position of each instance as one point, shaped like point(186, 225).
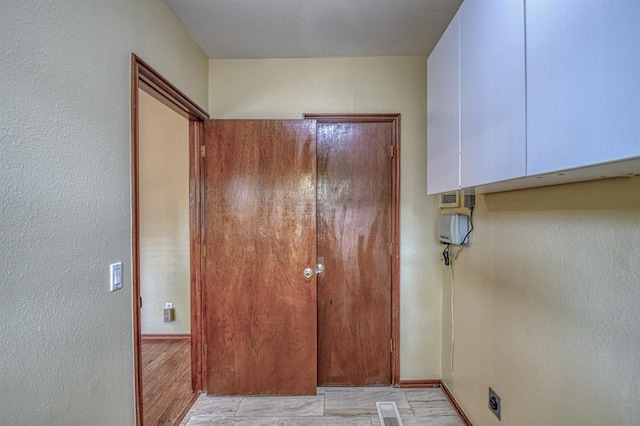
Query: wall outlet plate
point(495, 403)
point(169, 315)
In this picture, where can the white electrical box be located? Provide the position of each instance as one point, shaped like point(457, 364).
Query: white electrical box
point(457, 199)
point(451, 199)
point(453, 228)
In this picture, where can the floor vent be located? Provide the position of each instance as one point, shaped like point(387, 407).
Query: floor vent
point(388, 413)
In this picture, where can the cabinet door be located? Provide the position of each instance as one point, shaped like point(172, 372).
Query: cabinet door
point(492, 91)
point(443, 113)
point(583, 83)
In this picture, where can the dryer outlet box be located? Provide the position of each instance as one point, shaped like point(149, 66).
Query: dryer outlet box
point(452, 228)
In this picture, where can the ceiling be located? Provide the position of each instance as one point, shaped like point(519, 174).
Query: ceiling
point(314, 28)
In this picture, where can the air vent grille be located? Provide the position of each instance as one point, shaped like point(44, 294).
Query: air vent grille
point(388, 413)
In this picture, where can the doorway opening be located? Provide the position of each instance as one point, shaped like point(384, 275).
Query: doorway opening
point(182, 342)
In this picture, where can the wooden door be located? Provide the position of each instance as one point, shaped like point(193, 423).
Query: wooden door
point(260, 189)
point(354, 245)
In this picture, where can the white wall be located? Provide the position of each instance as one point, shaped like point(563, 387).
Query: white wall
point(547, 307)
point(287, 88)
point(164, 217)
point(66, 353)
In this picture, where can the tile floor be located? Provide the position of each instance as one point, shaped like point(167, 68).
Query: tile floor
point(332, 406)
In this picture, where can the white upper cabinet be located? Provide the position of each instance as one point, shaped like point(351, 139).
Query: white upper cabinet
point(567, 111)
point(492, 91)
point(583, 83)
point(443, 113)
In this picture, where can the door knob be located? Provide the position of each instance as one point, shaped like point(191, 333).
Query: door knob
point(319, 269)
point(308, 273)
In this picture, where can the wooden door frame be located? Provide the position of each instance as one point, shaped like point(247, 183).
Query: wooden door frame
point(394, 119)
point(150, 81)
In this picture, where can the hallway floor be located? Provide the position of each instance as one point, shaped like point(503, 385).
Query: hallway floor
point(166, 380)
point(332, 406)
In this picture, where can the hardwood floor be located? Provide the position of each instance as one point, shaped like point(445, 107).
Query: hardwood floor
point(166, 380)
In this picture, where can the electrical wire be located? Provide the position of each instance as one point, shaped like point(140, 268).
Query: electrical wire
point(448, 261)
point(445, 255)
point(453, 328)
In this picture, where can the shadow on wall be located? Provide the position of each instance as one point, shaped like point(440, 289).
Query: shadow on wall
point(594, 195)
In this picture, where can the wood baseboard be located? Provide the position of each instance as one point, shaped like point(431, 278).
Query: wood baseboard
point(165, 336)
point(427, 383)
point(456, 406)
point(437, 383)
point(184, 412)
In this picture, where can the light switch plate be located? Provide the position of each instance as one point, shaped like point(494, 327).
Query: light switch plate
point(116, 276)
point(168, 305)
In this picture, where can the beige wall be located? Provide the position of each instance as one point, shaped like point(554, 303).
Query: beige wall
point(287, 88)
point(164, 217)
point(66, 354)
point(547, 307)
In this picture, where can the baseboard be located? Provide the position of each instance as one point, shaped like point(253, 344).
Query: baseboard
point(186, 409)
point(456, 406)
point(426, 383)
point(165, 336)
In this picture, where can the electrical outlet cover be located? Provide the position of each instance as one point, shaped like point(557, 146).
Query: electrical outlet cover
point(495, 404)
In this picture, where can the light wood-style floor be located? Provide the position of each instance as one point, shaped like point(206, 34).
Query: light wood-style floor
point(348, 406)
point(166, 380)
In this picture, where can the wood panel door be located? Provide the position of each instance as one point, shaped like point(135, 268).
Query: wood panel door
point(261, 313)
point(354, 245)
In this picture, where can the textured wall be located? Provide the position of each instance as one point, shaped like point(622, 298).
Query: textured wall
point(547, 307)
point(164, 217)
point(66, 353)
point(287, 88)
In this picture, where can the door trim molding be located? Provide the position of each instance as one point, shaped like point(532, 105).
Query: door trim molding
point(394, 119)
point(150, 81)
